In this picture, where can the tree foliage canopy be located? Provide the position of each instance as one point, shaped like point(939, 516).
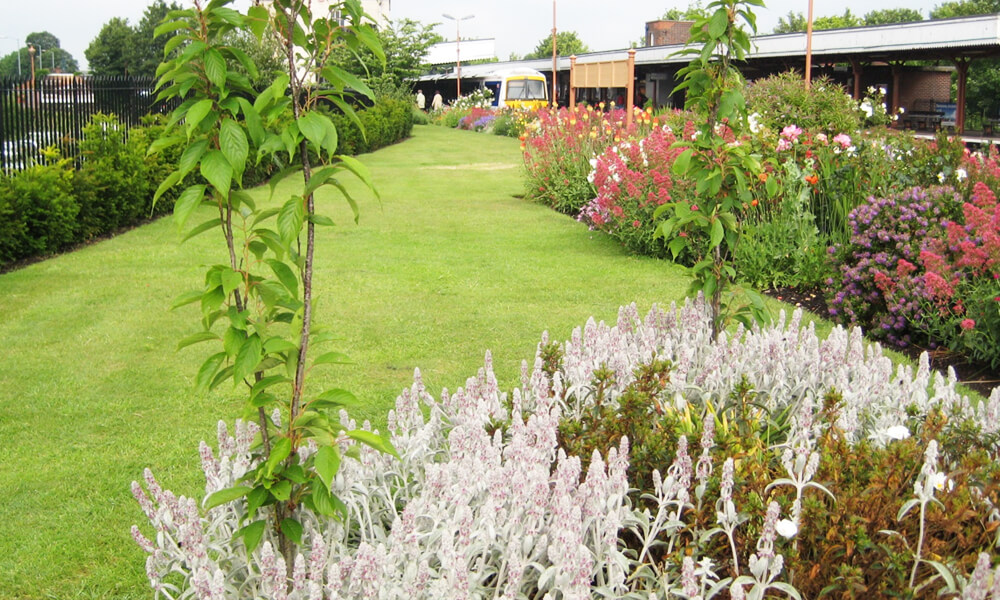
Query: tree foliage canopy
point(405, 43)
point(48, 56)
point(568, 43)
point(693, 12)
point(121, 49)
point(796, 21)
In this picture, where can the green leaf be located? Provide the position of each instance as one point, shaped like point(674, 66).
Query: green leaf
point(290, 220)
point(258, 18)
point(280, 450)
point(683, 162)
point(208, 225)
point(189, 199)
point(187, 298)
point(215, 67)
point(333, 358)
point(201, 336)
point(191, 155)
point(292, 530)
point(318, 178)
point(280, 175)
point(265, 383)
point(327, 463)
point(285, 275)
point(718, 23)
point(196, 114)
point(276, 345)
point(226, 495)
point(360, 171)
point(374, 440)
point(234, 145)
point(252, 534)
point(168, 27)
point(282, 490)
point(208, 369)
point(255, 499)
point(165, 185)
point(312, 125)
point(253, 121)
point(247, 359)
point(162, 143)
point(321, 220)
point(717, 232)
point(342, 79)
point(217, 170)
point(326, 503)
point(335, 398)
point(231, 280)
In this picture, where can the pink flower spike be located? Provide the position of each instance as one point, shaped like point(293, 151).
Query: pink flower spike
point(967, 324)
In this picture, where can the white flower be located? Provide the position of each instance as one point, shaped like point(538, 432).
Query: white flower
point(941, 177)
point(961, 174)
point(897, 432)
point(940, 481)
point(786, 528)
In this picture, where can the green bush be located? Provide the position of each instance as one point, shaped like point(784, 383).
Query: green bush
point(782, 100)
point(114, 181)
point(43, 209)
point(387, 122)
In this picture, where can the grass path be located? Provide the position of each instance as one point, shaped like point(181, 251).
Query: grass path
point(449, 264)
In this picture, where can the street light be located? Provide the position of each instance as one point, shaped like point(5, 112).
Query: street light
point(18, 42)
point(458, 55)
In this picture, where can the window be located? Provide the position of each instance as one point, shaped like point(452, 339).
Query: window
point(525, 89)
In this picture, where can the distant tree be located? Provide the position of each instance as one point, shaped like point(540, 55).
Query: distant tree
point(568, 43)
point(888, 16)
point(48, 55)
point(405, 43)
point(794, 21)
point(965, 8)
point(982, 92)
point(848, 19)
point(693, 12)
point(109, 53)
point(791, 23)
point(147, 50)
point(265, 54)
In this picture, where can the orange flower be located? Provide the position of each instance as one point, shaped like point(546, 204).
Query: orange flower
point(762, 177)
point(812, 179)
point(754, 202)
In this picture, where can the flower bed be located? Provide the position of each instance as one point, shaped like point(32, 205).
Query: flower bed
point(819, 467)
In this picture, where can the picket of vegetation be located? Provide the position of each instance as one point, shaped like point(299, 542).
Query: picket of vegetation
point(697, 450)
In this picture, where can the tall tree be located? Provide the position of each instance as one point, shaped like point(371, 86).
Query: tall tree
point(405, 43)
point(965, 8)
point(567, 44)
point(109, 53)
point(848, 19)
point(982, 93)
point(49, 55)
point(147, 50)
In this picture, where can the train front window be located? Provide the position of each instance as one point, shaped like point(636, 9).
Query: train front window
point(526, 89)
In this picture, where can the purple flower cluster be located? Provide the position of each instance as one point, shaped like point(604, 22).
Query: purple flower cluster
point(878, 289)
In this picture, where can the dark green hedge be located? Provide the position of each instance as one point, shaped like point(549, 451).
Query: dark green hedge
point(48, 207)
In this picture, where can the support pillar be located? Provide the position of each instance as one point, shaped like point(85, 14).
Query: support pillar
point(894, 109)
point(963, 78)
point(572, 82)
point(630, 99)
point(858, 72)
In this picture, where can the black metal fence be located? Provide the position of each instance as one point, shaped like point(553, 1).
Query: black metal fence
point(53, 110)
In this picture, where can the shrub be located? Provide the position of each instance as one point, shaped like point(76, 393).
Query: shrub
point(962, 280)
point(387, 122)
point(885, 245)
point(559, 146)
point(43, 208)
point(632, 179)
point(784, 421)
point(114, 177)
point(780, 100)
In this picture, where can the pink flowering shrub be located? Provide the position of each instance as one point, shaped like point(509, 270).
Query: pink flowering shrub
point(559, 146)
point(963, 280)
point(483, 503)
point(632, 179)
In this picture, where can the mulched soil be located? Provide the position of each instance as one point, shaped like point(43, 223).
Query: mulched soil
point(978, 377)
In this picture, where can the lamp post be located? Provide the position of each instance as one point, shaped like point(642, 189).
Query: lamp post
point(458, 55)
point(555, 73)
point(18, 42)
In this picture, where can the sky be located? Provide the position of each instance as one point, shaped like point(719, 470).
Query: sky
point(516, 25)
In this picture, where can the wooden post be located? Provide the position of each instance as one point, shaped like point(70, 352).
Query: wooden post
point(894, 110)
point(963, 78)
point(630, 98)
point(555, 66)
point(858, 71)
point(572, 82)
point(809, 46)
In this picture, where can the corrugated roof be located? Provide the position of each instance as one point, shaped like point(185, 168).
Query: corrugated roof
point(978, 34)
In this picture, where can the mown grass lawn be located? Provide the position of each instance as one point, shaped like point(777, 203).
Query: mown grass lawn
point(448, 264)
